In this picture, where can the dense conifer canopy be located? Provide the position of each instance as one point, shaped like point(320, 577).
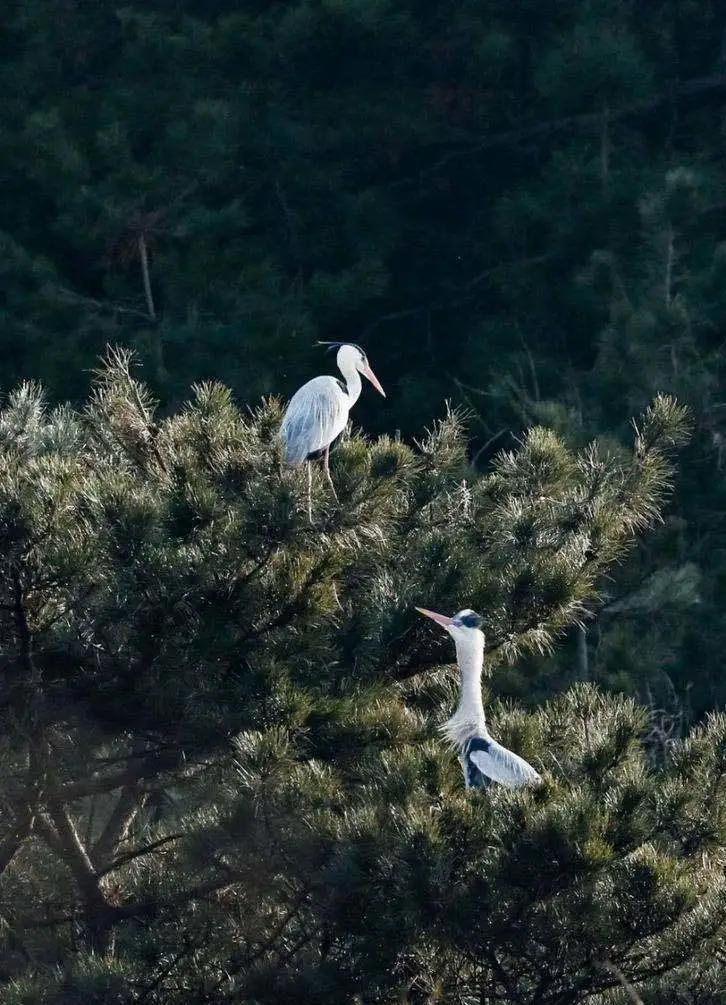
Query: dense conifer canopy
point(223, 777)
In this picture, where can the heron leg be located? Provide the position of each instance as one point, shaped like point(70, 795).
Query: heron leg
point(309, 466)
point(326, 468)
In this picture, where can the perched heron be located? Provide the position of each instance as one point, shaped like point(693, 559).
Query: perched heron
point(318, 413)
point(483, 759)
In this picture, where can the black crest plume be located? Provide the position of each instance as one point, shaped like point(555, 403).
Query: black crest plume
point(330, 346)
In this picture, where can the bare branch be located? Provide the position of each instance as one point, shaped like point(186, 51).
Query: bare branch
point(144, 258)
point(117, 826)
point(696, 87)
point(72, 297)
point(63, 838)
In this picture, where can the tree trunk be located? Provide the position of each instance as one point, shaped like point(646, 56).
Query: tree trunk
point(583, 662)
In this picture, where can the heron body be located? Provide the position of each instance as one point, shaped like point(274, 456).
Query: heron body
point(317, 416)
point(483, 760)
point(317, 413)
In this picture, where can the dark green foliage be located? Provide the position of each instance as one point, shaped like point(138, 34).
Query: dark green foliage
point(223, 780)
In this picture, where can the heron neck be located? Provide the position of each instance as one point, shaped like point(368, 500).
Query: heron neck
point(470, 658)
point(352, 383)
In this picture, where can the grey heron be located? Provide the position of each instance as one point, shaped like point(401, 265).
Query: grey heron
point(318, 412)
point(483, 759)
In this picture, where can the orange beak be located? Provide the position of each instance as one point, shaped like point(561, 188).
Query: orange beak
point(367, 372)
point(440, 619)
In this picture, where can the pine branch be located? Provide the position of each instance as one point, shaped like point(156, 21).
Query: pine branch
point(139, 852)
point(504, 979)
point(164, 973)
point(623, 981)
point(63, 838)
point(66, 837)
point(133, 774)
point(550, 128)
point(117, 826)
point(151, 908)
point(21, 626)
point(277, 932)
point(112, 915)
point(12, 842)
point(295, 606)
point(72, 296)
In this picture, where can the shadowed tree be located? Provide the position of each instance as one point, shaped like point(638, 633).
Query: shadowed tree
point(223, 778)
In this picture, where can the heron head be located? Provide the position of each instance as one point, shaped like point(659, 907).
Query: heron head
point(351, 357)
point(464, 627)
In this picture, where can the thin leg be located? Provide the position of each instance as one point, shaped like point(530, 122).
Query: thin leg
point(309, 466)
point(326, 468)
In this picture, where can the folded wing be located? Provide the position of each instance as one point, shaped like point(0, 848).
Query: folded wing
point(316, 415)
point(498, 764)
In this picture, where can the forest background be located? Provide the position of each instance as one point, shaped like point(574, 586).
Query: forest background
point(518, 208)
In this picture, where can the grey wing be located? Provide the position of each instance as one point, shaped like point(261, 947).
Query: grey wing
point(317, 413)
point(503, 766)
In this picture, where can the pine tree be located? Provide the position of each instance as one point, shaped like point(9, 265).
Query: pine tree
point(223, 778)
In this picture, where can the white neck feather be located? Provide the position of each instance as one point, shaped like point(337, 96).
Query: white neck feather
point(352, 381)
point(468, 719)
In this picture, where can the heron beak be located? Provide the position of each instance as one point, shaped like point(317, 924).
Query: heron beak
point(367, 372)
point(440, 619)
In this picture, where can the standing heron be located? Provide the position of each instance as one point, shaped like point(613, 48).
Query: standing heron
point(483, 759)
point(318, 413)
